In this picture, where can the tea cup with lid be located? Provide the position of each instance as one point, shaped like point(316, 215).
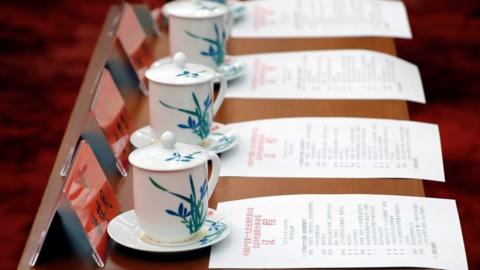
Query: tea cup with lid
point(199, 29)
point(171, 191)
point(181, 99)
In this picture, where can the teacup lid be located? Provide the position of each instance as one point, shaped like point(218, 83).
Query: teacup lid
point(195, 9)
point(180, 72)
point(168, 155)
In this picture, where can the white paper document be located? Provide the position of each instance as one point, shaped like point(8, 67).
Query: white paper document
point(332, 74)
point(306, 231)
point(335, 147)
point(323, 18)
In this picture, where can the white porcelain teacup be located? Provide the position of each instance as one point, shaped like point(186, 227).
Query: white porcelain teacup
point(200, 30)
point(170, 189)
point(181, 99)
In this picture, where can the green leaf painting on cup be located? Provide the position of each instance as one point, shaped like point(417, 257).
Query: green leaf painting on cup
point(216, 47)
point(192, 214)
point(190, 74)
point(198, 119)
point(176, 156)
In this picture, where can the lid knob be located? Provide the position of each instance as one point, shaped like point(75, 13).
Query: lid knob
point(168, 140)
point(179, 60)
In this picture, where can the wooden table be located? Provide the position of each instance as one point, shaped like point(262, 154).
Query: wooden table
point(59, 254)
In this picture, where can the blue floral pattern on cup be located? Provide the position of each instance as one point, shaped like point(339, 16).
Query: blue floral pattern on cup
point(216, 47)
point(203, 7)
point(183, 158)
point(192, 214)
point(198, 119)
point(189, 74)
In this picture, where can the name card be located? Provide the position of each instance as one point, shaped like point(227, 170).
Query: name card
point(323, 18)
point(110, 113)
point(92, 199)
point(328, 74)
point(135, 43)
point(334, 147)
point(340, 231)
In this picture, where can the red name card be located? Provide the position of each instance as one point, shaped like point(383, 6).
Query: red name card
point(110, 113)
point(134, 41)
point(92, 198)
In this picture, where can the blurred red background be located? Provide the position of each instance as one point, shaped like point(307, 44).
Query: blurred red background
point(45, 47)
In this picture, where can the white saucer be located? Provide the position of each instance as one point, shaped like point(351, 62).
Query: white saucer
point(232, 68)
point(237, 7)
point(124, 229)
point(221, 138)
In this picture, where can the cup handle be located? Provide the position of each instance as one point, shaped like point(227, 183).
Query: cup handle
point(212, 182)
point(221, 93)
